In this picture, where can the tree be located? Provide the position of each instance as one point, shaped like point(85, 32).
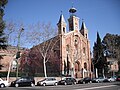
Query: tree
point(112, 43)
point(26, 66)
point(2, 25)
point(44, 43)
point(99, 60)
point(45, 51)
point(13, 31)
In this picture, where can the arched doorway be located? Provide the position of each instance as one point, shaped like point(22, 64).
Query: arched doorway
point(77, 69)
point(85, 73)
point(85, 65)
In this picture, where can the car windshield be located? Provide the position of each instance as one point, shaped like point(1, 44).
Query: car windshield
point(48, 79)
point(100, 78)
point(67, 78)
point(86, 78)
point(64, 78)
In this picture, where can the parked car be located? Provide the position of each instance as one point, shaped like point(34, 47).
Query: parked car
point(48, 81)
point(85, 80)
point(3, 83)
point(118, 78)
point(109, 79)
point(100, 79)
point(23, 81)
point(67, 81)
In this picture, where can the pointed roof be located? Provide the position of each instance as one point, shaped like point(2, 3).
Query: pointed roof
point(83, 25)
point(61, 19)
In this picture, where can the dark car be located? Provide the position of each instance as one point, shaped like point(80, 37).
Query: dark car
point(67, 81)
point(23, 81)
point(85, 80)
point(118, 78)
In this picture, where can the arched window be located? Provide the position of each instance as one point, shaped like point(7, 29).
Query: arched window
point(76, 39)
point(86, 35)
point(67, 48)
point(85, 65)
point(64, 29)
point(84, 50)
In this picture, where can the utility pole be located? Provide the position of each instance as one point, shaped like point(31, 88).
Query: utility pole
point(18, 52)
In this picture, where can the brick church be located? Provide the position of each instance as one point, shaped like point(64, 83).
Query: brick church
point(74, 46)
point(71, 54)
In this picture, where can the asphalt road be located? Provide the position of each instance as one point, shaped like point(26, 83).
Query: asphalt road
point(93, 86)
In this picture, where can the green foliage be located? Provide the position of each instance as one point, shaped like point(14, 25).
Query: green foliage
point(99, 60)
point(3, 40)
point(98, 55)
point(2, 25)
point(112, 43)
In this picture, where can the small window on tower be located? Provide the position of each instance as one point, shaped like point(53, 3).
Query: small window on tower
point(84, 50)
point(86, 35)
point(64, 29)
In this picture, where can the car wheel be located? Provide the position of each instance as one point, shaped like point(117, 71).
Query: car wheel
point(16, 85)
point(98, 81)
point(44, 84)
point(65, 83)
point(56, 84)
point(74, 83)
point(83, 82)
point(2, 85)
point(90, 82)
point(32, 85)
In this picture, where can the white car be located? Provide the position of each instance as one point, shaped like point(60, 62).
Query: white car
point(111, 79)
point(3, 83)
point(48, 81)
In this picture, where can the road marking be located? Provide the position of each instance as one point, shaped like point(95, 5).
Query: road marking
point(96, 87)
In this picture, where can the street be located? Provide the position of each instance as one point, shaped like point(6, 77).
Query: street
point(93, 86)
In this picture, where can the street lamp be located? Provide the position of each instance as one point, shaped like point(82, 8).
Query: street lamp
point(18, 52)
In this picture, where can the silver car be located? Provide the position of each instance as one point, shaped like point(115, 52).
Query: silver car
point(111, 79)
point(100, 79)
point(48, 81)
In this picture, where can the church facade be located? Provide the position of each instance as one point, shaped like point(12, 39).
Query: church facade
point(70, 55)
point(74, 47)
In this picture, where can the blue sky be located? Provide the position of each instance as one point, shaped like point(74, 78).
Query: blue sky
point(99, 15)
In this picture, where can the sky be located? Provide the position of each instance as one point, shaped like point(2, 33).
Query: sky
point(99, 15)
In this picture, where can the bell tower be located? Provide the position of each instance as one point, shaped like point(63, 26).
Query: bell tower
point(73, 20)
point(61, 25)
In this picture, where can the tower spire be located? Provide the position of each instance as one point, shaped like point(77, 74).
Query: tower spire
point(61, 24)
point(61, 20)
point(83, 25)
point(84, 30)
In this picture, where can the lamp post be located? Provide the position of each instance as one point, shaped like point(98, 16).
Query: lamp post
point(18, 52)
